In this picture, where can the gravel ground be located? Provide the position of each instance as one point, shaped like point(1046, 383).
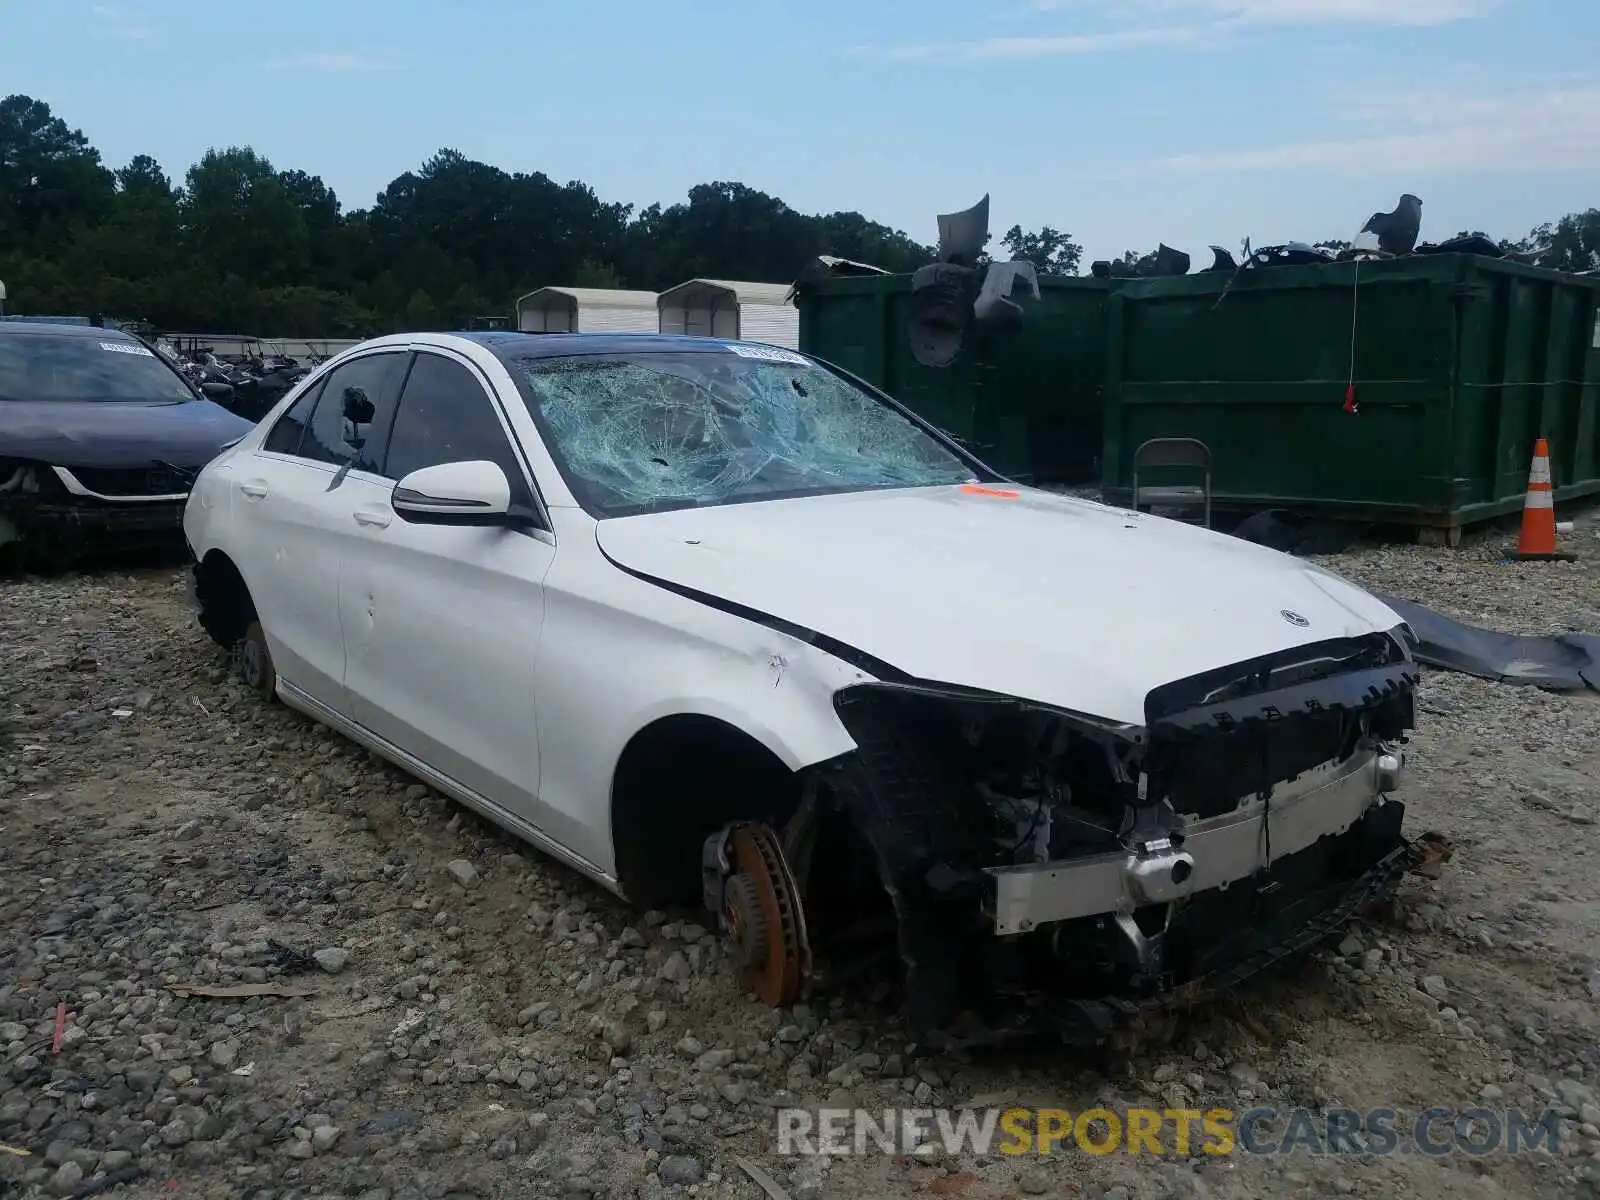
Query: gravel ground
point(477, 1021)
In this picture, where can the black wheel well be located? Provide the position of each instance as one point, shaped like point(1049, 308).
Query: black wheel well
point(226, 608)
point(679, 780)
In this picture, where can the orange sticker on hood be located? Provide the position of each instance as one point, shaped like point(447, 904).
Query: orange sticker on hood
point(978, 489)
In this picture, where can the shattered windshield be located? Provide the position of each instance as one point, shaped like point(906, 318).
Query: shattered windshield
point(652, 430)
point(72, 368)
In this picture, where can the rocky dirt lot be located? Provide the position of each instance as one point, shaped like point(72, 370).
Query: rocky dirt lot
point(471, 1020)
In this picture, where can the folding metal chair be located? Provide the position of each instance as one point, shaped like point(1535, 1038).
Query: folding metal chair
point(1163, 453)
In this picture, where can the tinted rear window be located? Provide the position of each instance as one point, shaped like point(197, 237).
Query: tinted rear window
point(77, 369)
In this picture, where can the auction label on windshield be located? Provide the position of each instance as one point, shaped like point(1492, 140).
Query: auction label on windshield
point(126, 348)
point(767, 353)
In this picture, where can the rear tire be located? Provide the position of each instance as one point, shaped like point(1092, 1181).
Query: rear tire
point(255, 662)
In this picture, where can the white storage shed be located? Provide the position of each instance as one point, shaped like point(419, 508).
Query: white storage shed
point(756, 312)
point(587, 310)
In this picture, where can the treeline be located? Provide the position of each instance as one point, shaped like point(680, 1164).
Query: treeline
point(243, 246)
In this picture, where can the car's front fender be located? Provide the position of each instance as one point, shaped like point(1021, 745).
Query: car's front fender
point(619, 654)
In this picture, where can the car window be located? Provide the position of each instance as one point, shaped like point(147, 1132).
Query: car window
point(99, 368)
point(353, 412)
point(286, 434)
point(657, 429)
point(445, 415)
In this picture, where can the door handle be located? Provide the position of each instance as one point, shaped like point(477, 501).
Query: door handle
point(367, 516)
point(253, 491)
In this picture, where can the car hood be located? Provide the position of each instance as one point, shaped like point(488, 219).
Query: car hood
point(1026, 593)
point(115, 433)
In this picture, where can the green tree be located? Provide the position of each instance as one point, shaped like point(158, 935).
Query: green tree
point(851, 235)
point(724, 229)
point(116, 265)
point(241, 220)
point(51, 179)
point(143, 176)
point(1570, 244)
point(327, 249)
point(1050, 250)
point(593, 274)
point(244, 246)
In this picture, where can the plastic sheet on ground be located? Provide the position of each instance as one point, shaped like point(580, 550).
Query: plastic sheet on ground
point(1561, 662)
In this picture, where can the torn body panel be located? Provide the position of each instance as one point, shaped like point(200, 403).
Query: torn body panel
point(1094, 866)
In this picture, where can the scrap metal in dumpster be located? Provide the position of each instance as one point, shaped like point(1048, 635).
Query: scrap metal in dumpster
point(1026, 398)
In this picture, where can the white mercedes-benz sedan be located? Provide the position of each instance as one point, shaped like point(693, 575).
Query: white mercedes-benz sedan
point(713, 620)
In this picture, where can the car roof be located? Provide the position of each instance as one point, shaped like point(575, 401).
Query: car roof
point(62, 329)
point(510, 344)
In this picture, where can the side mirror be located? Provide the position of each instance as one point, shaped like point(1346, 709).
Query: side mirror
point(457, 493)
point(215, 390)
point(358, 411)
point(357, 407)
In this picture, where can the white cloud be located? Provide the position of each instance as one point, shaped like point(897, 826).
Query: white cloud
point(1434, 132)
point(333, 62)
point(1013, 48)
point(1287, 12)
point(1131, 24)
point(124, 26)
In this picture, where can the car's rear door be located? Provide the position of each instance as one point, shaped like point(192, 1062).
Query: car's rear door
point(442, 623)
point(296, 496)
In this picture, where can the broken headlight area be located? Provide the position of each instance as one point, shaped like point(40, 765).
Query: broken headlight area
point(20, 484)
point(1024, 862)
point(18, 478)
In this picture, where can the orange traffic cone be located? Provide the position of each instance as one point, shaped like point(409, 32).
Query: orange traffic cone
point(1537, 542)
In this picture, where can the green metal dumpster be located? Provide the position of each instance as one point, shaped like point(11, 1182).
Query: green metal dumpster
point(1027, 400)
point(1458, 363)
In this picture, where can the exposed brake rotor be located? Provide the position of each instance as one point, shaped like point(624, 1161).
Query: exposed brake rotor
point(745, 920)
point(764, 918)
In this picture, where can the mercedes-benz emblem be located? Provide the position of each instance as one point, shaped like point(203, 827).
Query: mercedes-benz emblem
point(1293, 617)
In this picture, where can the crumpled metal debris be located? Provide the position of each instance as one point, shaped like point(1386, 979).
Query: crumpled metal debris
point(1427, 854)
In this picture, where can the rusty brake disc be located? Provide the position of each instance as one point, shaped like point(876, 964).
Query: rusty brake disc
point(765, 918)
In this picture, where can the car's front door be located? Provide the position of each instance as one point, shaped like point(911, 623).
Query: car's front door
point(442, 623)
point(289, 497)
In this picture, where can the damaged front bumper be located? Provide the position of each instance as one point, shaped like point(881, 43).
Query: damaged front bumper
point(1199, 854)
point(1254, 927)
point(1224, 900)
point(1043, 864)
point(64, 532)
point(53, 511)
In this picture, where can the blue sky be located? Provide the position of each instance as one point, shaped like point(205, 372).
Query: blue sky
point(1125, 122)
